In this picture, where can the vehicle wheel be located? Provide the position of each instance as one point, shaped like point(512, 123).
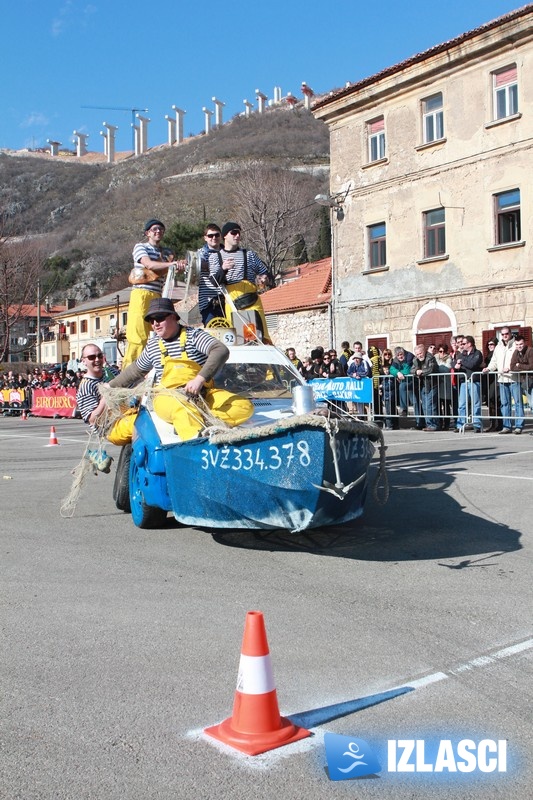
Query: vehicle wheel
point(143, 515)
point(121, 486)
point(218, 322)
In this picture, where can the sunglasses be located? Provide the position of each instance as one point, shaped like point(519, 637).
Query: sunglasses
point(213, 235)
point(235, 232)
point(156, 228)
point(159, 317)
point(94, 356)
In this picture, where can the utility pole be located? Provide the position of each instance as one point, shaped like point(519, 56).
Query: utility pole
point(132, 111)
point(38, 331)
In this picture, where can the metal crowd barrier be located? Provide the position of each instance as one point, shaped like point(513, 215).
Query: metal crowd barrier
point(449, 399)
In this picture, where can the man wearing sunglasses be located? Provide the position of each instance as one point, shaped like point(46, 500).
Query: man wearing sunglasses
point(210, 302)
point(91, 404)
point(239, 270)
point(183, 358)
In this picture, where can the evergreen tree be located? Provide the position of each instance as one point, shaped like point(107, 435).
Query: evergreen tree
point(183, 236)
point(300, 250)
point(322, 248)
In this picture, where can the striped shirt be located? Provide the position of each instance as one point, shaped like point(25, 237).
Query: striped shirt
point(254, 267)
point(197, 346)
point(143, 249)
point(209, 266)
point(88, 396)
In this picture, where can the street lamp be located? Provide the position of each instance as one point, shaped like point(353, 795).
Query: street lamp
point(334, 203)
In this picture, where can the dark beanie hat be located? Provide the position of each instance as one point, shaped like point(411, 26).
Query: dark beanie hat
point(316, 353)
point(148, 225)
point(230, 226)
point(161, 305)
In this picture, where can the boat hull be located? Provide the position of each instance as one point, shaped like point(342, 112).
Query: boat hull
point(294, 476)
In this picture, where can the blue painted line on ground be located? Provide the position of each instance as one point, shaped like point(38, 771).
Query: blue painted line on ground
point(319, 716)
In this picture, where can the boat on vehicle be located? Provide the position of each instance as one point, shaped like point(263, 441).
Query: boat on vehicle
point(293, 465)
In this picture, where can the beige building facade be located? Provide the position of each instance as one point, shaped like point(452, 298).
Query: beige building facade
point(432, 167)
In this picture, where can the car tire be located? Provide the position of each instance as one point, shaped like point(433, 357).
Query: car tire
point(121, 486)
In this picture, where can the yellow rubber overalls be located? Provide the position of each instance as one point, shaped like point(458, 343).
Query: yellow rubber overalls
point(184, 415)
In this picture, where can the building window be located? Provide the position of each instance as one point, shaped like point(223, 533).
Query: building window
point(505, 92)
point(72, 327)
point(377, 242)
point(507, 212)
point(97, 323)
point(84, 326)
point(376, 139)
point(434, 233)
point(432, 118)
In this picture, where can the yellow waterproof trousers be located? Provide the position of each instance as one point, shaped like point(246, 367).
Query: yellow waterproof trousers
point(137, 330)
point(122, 431)
point(187, 419)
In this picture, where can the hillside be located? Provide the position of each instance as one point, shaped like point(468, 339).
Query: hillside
point(92, 214)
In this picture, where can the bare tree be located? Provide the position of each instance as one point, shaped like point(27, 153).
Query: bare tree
point(21, 264)
point(276, 209)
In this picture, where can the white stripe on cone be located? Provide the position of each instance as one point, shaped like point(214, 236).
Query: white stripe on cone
point(255, 675)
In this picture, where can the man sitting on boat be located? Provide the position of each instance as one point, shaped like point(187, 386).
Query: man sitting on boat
point(186, 358)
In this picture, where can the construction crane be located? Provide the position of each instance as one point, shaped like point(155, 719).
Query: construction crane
point(132, 111)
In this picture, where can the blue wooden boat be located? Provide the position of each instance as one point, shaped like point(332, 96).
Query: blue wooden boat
point(282, 469)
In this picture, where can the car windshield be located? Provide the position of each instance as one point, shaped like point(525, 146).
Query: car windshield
point(256, 380)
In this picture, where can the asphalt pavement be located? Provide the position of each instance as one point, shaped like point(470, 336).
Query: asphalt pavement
point(120, 645)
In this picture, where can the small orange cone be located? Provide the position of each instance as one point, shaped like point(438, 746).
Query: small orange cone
point(24, 415)
point(256, 725)
point(53, 437)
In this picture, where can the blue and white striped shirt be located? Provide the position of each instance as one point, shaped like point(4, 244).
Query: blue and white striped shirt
point(88, 396)
point(197, 346)
point(207, 291)
point(143, 249)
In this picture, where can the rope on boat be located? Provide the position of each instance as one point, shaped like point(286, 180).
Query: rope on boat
point(382, 479)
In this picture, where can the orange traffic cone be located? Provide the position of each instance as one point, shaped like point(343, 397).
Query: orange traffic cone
point(53, 437)
point(24, 415)
point(256, 725)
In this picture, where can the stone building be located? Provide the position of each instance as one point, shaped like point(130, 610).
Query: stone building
point(432, 179)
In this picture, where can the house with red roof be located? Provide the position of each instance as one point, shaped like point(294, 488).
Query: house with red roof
point(298, 311)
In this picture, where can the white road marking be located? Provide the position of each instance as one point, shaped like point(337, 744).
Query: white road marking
point(267, 760)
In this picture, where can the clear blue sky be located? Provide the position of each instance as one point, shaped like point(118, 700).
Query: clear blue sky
point(61, 55)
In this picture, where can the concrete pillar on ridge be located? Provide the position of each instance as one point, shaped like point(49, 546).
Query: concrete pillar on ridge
point(81, 143)
point(208, 114)
point(308, 94)
point(171, 129)
point(248, 107)
point(261, 100)
point(109, 141)
point(143, 136)
point(180, 113)
point(219, 105)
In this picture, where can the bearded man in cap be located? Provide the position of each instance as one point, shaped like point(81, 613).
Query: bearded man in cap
point(187, 358)
point(151, 263)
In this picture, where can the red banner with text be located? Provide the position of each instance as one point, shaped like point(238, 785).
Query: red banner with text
point(53, 402)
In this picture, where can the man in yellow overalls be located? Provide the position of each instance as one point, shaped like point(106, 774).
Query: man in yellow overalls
point(183, 357)
point(238, 269)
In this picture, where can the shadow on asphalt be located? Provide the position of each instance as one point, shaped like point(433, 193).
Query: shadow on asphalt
point(420, 521)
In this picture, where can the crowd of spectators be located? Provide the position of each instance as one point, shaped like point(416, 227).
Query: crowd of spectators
point(444, 384)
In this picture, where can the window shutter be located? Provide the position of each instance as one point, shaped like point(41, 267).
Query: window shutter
point(508, 75)
point(377, 125)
